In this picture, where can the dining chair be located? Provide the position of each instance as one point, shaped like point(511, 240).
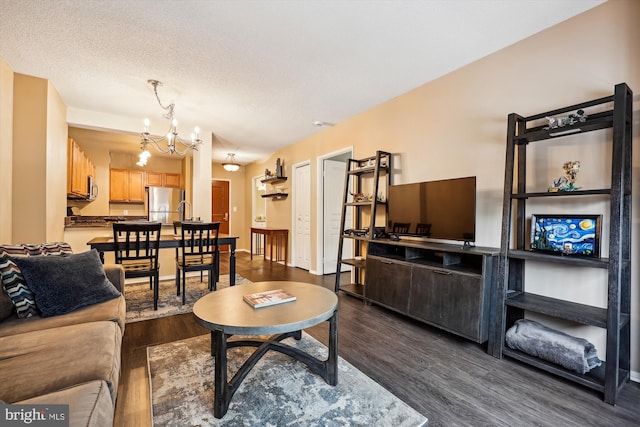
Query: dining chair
point(423, 229)
point(401, 227)
point(177, 227)
point(136, 249)
point(198, 251)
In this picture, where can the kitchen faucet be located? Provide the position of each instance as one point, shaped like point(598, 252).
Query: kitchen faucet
point(181, 209)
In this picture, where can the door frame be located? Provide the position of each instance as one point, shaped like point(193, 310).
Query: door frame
point(294, 227)
point(320, 204)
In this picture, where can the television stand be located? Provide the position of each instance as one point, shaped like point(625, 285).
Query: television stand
point(445, 285)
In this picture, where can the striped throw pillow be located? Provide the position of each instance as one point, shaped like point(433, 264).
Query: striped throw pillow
point(12, 279)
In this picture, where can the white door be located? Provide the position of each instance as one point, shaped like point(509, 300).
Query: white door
point(302, 206)
point(333, 183)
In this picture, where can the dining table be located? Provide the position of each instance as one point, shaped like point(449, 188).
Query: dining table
point(106, 244)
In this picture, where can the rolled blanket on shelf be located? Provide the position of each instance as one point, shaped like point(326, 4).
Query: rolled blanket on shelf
point(531, 337)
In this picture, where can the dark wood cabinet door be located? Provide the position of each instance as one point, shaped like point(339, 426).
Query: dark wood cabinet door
point(388, 283)
point(448, 299)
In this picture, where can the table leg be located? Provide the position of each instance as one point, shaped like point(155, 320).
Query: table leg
point(332, 359)
point(232, 263)
point(286, 247)
point(221, 396)
point(251, 251)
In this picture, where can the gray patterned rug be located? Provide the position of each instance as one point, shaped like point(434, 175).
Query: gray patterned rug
point(278, 391)
point(140, 298)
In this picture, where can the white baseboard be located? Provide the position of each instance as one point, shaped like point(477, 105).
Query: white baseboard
point(635, 376)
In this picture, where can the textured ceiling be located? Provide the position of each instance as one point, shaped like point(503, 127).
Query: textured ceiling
point(256, 73)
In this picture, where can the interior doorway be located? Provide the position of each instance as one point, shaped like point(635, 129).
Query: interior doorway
point(301, 246)
point(332, 169)
point(220, 206)
point(259, 205)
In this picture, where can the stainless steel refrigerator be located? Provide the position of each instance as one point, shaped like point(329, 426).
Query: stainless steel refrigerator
point(164, 204)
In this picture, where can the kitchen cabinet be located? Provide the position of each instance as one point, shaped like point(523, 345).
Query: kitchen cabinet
point(79, 168)
point(163, 179)
point(173, 180)
point(154, 179)
point(126, 186)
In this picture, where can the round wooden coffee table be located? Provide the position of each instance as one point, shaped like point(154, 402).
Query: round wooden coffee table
point(225, 313)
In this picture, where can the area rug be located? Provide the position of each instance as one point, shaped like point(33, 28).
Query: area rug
point(278, 391)
point(140, 298)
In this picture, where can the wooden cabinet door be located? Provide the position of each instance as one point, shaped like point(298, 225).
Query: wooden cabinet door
point(172, 180)
point(388, 283)
point(154, 179)
point(136, 186)
point(118, 185)
point(448, 299)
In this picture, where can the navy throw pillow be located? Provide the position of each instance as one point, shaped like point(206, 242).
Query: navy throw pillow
point(62, 284)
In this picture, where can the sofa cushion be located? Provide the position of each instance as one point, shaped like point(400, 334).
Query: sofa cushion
point(6, 305)
point(12, 278)
point(113, 310)
point(90, 403)
point(40, 362)
point(62, 284)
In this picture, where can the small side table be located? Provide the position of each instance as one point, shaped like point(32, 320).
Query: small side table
point(274, 236)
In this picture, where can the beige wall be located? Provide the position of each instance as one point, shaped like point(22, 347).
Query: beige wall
point(456, 126)
point(6, 149)
point(39, 148)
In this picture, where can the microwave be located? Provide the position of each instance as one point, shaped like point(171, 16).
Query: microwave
point(92, 188)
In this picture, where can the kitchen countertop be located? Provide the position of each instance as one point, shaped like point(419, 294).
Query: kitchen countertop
point(97, 221)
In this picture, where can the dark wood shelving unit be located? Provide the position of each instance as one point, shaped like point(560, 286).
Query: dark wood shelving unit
point(512, 299)
point(371, 170)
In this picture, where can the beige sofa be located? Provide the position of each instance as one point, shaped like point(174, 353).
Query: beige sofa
point(71, 358)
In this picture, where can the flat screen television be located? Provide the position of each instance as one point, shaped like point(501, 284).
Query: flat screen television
point(444, 209)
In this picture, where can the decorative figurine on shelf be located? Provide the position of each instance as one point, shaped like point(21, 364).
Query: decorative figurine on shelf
point(267, 173)
point(360, 197)
point(567, 183)
point(578, 117)
point(279, 168)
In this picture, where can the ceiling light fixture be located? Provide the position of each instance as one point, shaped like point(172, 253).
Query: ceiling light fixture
point(170, 143)
point(230, 163)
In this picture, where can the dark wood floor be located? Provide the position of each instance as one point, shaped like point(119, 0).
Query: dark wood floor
point(452, 381)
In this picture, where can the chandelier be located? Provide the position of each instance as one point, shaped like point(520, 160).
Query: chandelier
point(170, 143)
point(230, 163)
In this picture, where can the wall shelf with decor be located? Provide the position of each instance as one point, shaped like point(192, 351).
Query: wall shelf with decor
point(278, 194)
point(275, 195)
point(518, 249)
point(274, 180)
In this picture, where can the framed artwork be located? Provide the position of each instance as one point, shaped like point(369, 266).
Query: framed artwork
point(575, 235)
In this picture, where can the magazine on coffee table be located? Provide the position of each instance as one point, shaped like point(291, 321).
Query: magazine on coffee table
point(267, 298)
